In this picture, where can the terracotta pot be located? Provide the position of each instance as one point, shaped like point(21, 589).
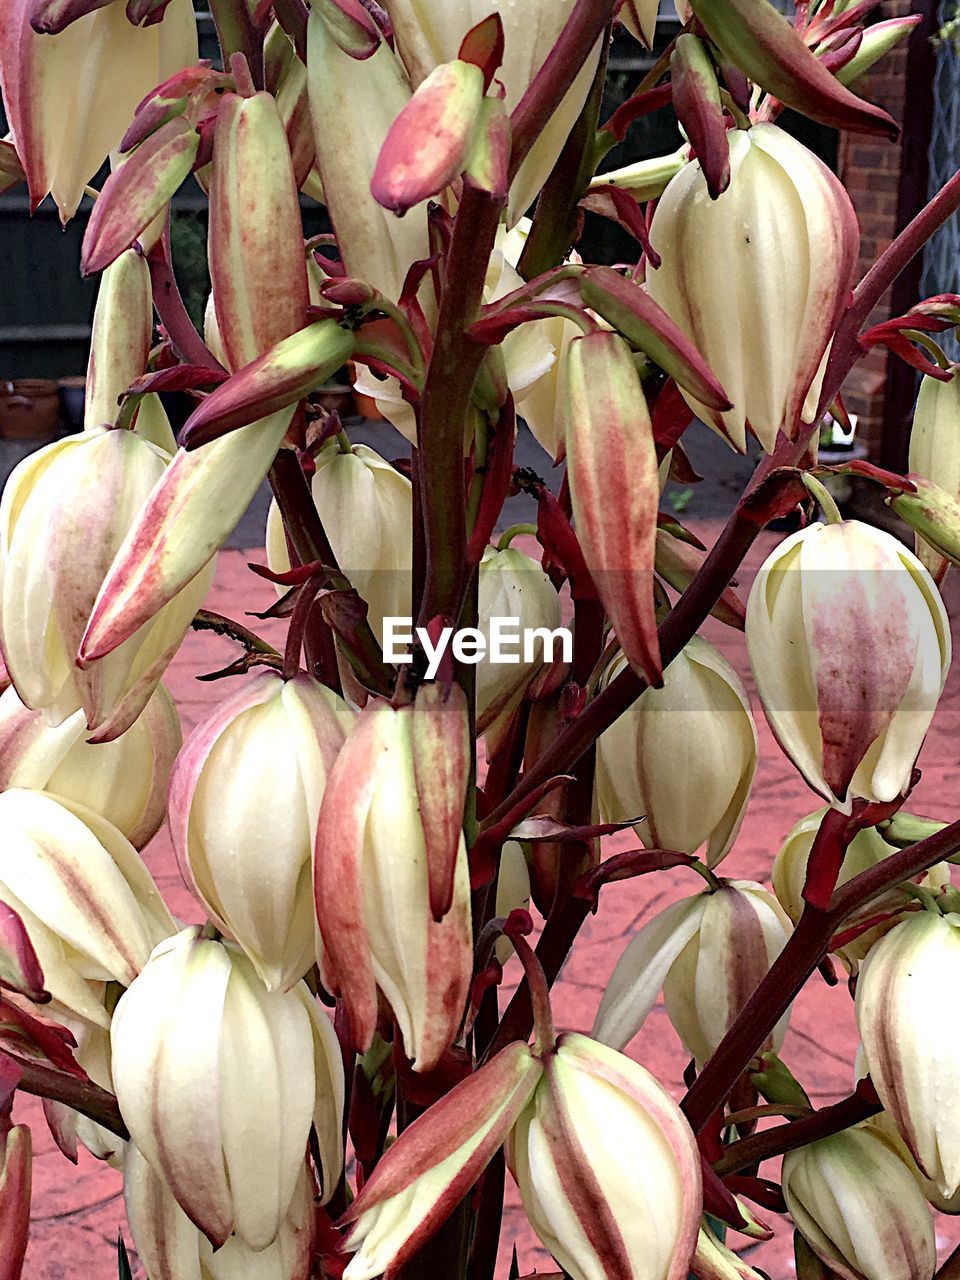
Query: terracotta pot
point(29, 410)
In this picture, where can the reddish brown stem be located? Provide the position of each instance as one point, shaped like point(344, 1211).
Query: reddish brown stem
point(788, 1137)
point(581, 32)
point(177, 325)
point(807, 946)
point(82, 1095)
point(451, 373)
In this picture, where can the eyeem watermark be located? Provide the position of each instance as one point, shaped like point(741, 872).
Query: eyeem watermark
point(505, 641)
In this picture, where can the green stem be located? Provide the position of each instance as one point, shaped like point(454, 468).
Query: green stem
point(823, 498)
point(555, 221)
point(515, 531)
point(237, 34)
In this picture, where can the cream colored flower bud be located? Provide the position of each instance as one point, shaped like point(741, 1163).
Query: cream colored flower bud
point(366, 507)
point(607, 1166)
point(709, 953)
point(867, 849)
point(69, 97)
point(219, 1081)
point(171, 1248)
point(250, 779)
point(859, 1209)
point(64, 513)
point(883, 1126)
point(758, 278)
point(850, 647)
point(374, 907)
point(682, 758)
point(906, 983)
point(512, 585)
point(353, 104)
point(429, 32)
point(935, 450)
point(125, 780)
point(88, 903)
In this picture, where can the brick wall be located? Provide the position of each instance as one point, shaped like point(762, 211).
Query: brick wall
point(870, 170)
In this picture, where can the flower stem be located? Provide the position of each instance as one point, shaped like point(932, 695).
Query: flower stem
point(451, 373)
point(583, 28)
point(823, 498)
point(517, 925)
point(809, 1128)
point(81, 1095)
point(237, 34)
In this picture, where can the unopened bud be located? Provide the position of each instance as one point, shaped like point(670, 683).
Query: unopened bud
point(701, 717)
point(859, 1209)
point(850, 646)
point(785, 218)
point(219, 1081)
point(607, 1166)
point(374, 909)
point(904, 985)
point(251, 777)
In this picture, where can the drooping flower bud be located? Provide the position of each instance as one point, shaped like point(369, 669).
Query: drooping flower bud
point(259, 275)
point(901, 993)
point(709, 953)
point(89, 905)
point(219, 1081)
point(374, 908)
point(125, 781)
point(850, 646)
point(120, 343)
point(607, 1167)
point(434, 1163)
point(430, 32)
point(866, 850)
point(512, 585)
point(366, 507)
point(859, 1209)
point(883, 1126)
point(353, 104)
point(608, 435)
point(79, 498)
point(758, 278)
point(935, 450)
point(249, 779)
point(171, 1248)
point(682, 758)
point(69, 97)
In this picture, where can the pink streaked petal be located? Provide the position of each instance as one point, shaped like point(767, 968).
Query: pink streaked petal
point(20, 969)
point(338, 872)
point(505, 1084)
point(441, 762)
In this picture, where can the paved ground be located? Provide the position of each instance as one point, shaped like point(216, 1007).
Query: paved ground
point(77, 1212)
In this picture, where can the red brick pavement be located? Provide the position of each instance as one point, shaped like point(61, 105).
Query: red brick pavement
point(77, 1212)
